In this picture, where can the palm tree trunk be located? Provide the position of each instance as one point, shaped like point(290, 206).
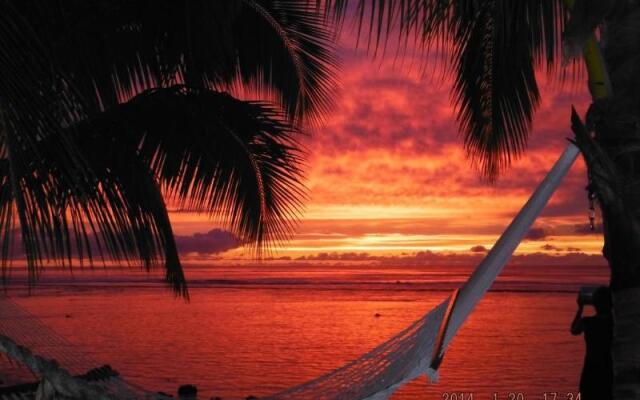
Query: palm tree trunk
point(613, 160)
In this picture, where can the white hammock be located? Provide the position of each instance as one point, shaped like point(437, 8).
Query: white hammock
point(376, 375)
point(379, 373)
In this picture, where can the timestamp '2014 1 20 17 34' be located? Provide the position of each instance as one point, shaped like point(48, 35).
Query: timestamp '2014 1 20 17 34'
point(513, 396)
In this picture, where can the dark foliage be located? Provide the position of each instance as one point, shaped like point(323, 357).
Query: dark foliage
point(495, 47)
point(106, 107)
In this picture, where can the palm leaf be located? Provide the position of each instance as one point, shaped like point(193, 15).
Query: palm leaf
point(206, 150)
point(6, 219)
point(289, 47)
point(37, 103)
point(211, 153)
point(117, 49)
point(496, 46)
point(495, 88)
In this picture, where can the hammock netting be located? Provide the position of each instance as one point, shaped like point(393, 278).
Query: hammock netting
point(398, 360)
point(373, 376)
point(30, 332)
point(378, 373)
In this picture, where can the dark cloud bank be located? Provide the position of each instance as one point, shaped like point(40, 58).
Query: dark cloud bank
point(213, 242)
point(426, 258)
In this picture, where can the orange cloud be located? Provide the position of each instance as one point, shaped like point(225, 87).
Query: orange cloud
point(388, 175)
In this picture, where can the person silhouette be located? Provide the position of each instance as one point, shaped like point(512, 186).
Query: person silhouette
point(596, 380)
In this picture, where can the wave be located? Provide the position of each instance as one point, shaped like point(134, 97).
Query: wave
point(283, 284)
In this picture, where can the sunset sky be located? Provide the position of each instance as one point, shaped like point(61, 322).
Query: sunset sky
point(387, 175)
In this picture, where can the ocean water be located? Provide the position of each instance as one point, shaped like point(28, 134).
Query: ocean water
point(255, 330)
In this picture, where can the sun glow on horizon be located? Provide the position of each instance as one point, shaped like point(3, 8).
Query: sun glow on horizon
point(388, 176)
